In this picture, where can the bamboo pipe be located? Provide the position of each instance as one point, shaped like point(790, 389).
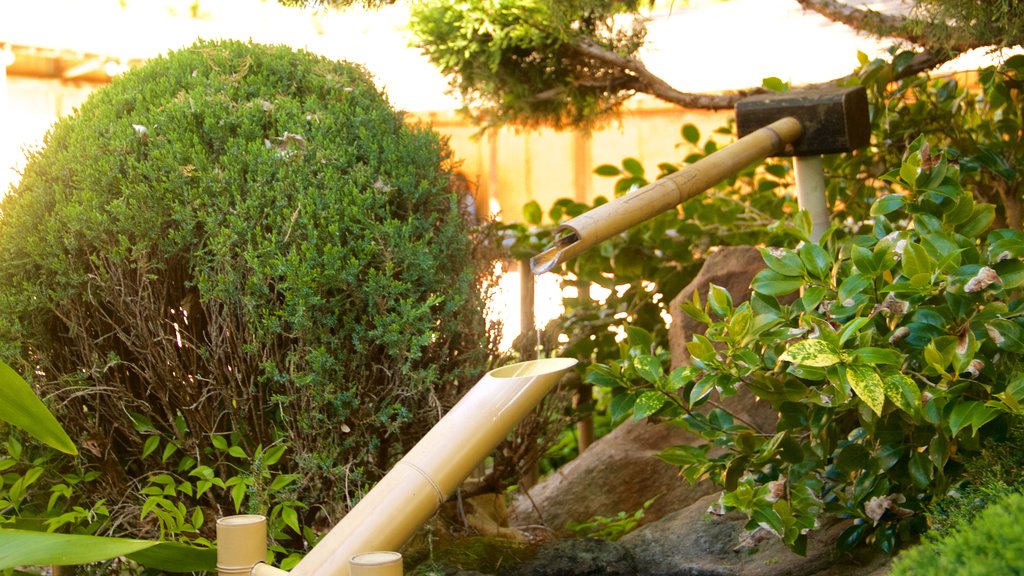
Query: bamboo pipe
point(241, 544)
point(424, 479)
point(607, 220)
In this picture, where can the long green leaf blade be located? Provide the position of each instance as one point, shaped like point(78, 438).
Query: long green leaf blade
point(20, 406)
point(30, 548)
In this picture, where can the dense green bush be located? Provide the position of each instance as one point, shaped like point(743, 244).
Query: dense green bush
point(990, 544)
point(997, 471)
point(886, 354)
point(884, 368)
point(230, 249)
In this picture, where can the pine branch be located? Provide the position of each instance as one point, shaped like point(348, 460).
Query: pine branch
point(643, 80)
point(633, 75)
point(887, 25)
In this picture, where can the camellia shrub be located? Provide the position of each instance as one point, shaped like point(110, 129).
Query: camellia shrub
point(237, 270)
point(887, 356)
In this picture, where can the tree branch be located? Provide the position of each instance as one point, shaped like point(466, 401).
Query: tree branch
point(883, 25)
point(642, 80)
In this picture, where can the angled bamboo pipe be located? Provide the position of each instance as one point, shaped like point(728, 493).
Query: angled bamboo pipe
point(423, 480)
point(607, 220)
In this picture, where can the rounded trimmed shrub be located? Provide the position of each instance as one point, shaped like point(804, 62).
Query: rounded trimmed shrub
point(990, 544)
point(241, 245)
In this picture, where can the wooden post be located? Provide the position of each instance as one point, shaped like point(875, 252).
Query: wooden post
point(527, 317)
point(529, 344)
point(584, 392)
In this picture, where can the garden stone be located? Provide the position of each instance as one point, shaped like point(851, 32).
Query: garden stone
point(693, 542)
point(579, 557)
point(618, 473)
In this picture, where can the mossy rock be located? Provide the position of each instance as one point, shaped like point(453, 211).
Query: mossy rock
point(481, 554)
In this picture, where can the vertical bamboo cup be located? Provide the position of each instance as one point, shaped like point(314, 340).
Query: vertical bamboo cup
point(241, 544)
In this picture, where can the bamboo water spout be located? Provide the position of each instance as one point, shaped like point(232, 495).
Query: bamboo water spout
point(430, 473)
point(603, 222)
point(802, 123)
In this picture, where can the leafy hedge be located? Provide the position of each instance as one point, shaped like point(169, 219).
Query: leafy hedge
point(990, 544)
point(233, 246)
point(888, 351)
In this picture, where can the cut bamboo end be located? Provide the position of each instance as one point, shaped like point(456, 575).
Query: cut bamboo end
point(241, 544)
point(376, 564)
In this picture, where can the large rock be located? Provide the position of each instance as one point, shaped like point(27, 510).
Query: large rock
point(693, 543)
point(618, 473)
point(582, 557)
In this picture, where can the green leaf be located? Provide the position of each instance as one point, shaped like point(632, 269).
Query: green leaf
point(282, 481)
point(868, 386)
point(29, 548)
point(238, 494)
point(874, 356)
point(20, 406)
point(816, 260)
point(783, 261)
point(683, 455)
point(634, 167)
point(909, 171)
point(903, 392)
point(680, 377)
point(719, 300)
point(864, 260)
point(774, 84)
point(169, 449)
point(1011, 272)
point(771, 283)
point(649, 368)
point(886, 204)
point(852, 328)
point(273, 454)
point(970, 413)
point(813, 296)
point(853, 285)
point(978, 223)
point(648, 403)
point(812, 352)
point(637, 337)
point(701, 390)
point(916, 261)
point(219, 442)
point(690, 133)
point(151, 443)
point(620, 406)
point(532, 213)
point(1006, 334)
point(237, 452)
point(291, 518)
point(920, 469)
point(607, 170)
